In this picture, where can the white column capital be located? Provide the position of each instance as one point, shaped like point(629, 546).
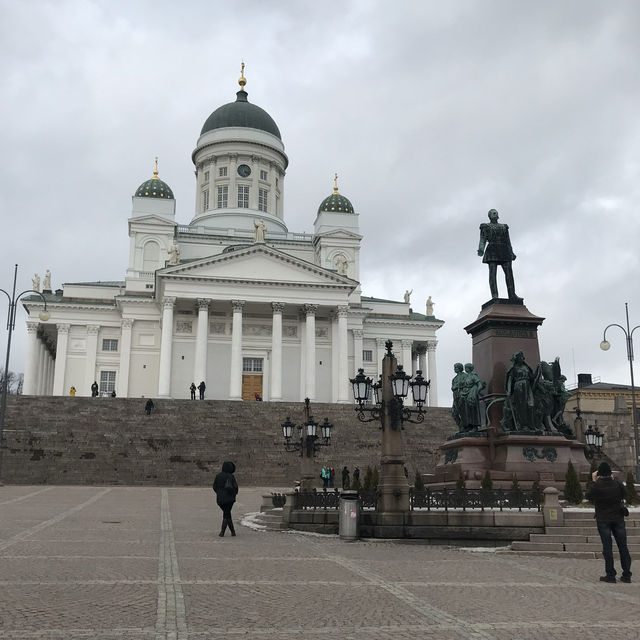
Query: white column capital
point(342, 310)
point(168, 302)
point(278, 307)
point(381, 342)
point(310, 309)
point(93, 329)
point(358, 334)
point(407, 344)
point(237, 305)
point(127, 323)
point(431, 345)
point(203, 303)
point(63, 328)
point(32, 327)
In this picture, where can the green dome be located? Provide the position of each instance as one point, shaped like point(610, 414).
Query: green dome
point(241, 113)
point(154, 188)
point(336, 202)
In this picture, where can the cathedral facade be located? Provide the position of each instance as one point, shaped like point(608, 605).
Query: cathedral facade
point(233, 298)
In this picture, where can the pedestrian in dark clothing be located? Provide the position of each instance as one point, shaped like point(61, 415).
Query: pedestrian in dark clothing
point(356, 474)
point(193, 388)
point(607, 495)
point(201, 387)
point(226, 489)
point(345, 478)
point(94, 389)
point(332, 475)
point(148, 406)
point(113, 393)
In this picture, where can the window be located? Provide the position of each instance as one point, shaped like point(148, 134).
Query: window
point(367, 355)
point(223, 197)
point(263, 174)
point(206, 176)
point(109, 344)
point(243, 196)
point(107, 382)
point(262, 200)
point(251, 365)
point(222, 172)
point(205, 200)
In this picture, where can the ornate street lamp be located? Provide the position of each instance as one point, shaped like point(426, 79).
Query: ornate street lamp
point(605, 346)
point(11, 325)
point(308, 441)
point(594, 439)
point(389, 393)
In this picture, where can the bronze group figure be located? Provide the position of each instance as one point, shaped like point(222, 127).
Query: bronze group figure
point(466, 387)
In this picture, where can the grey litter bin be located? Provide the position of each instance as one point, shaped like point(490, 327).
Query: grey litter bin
point(349, 516)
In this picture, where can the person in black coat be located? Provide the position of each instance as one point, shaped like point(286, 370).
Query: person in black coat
point(607, 495)
point(226, 489)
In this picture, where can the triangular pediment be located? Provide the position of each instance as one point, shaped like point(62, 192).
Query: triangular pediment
point(258, 264)
point(339, 233)
point(152, 218)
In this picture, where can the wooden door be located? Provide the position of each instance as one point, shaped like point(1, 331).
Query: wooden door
point(251, 384)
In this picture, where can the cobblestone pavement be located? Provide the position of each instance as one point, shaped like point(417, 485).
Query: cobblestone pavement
point(147, 563)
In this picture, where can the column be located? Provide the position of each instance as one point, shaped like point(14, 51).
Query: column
point(125, 357)
point(235, 373)
point(233, 185)
point(90, 366)
point(61, 360)
point(380, 351)
point(407, 346)
point(166, 347)
point(357, 351)
point(422, 361)
point(29, 386)
point(40, 378)
point(310, 350)
point(433, 374)
point(276, 352)
point(343, 354)
point(202, 335)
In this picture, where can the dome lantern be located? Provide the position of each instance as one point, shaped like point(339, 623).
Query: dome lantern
point(336, 202)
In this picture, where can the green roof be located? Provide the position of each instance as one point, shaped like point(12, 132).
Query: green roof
point(241, 113)
point(336, 202)
point(154, 188)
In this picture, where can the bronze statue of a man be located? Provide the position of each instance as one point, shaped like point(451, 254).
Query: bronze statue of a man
point(495, 237)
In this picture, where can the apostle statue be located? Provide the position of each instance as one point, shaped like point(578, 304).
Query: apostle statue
point(260, 228)
point(35, 282)
point(174, 253)
point(407, 295)
point(46, 283)
point(495, 246)
point(430, 304)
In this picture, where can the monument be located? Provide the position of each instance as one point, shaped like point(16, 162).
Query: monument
point(508, 405)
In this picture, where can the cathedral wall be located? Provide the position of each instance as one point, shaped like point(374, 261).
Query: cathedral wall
point(143, 374)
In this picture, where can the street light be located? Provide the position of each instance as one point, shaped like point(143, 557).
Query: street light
point(11, 325)
point(605, 346)
point(594, 440)
point(308, 441)
point(389, 409)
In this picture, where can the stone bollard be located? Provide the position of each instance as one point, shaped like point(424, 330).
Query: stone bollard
point(286, 510)
point(551, 509)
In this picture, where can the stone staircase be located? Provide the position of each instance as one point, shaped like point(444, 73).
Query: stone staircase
point(63, 440)
point(578, 538)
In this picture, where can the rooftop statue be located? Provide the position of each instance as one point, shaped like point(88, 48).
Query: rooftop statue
point(35, 282)
point(46, 283)
point(260, 229)
point(430, 304)
point(407, 295)
point(495, 246)
point(174, 253)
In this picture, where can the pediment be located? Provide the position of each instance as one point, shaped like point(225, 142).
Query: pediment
point(258, 264)
point(152, 218)
point(339, 233)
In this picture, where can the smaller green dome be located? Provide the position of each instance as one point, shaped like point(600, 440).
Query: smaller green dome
point(336, 201)
point(154, 188)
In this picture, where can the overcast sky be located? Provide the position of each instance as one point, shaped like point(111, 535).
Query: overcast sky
point(431, 113)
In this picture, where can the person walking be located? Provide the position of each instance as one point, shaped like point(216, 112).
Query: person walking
point(345, 477)
point(72, 391)
point(94, 389)
point(193, 388)
point(607, 495)
point(332, 475)
point(148, 406)
point(226, 489)
point(201, 387)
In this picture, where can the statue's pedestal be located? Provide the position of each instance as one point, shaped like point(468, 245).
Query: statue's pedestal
point(528, 457)
point(502, 328)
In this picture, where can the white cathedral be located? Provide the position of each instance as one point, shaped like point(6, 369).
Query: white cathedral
point(233, 298)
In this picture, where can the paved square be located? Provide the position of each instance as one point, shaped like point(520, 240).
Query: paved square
point(134, 563)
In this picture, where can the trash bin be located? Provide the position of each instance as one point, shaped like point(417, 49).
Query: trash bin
point(349, 516)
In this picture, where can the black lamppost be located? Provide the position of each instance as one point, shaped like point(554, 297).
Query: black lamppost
point(307, 442)
point(605, 346)
point(594, 439)
point(389, 393)
point(11, 325)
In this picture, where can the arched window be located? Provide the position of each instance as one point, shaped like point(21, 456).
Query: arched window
point(151, 256)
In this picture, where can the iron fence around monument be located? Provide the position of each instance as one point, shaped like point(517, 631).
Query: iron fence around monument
point(480, 499)
point(427, 499)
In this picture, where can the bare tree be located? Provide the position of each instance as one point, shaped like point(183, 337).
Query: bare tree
point(14, 381)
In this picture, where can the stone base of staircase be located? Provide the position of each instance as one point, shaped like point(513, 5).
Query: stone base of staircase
point(578, 538)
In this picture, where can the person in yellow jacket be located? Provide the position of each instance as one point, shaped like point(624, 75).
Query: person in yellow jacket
point(72, 391)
